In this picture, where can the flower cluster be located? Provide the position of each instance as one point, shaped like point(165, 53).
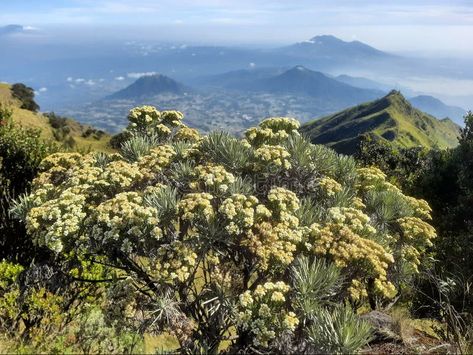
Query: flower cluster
point(417, 235)
point(329, 186)
point(346, 238)
point(272, 131)
point(268, 156)
point(175, 262)
point(263, 312)
point(196, 206)
point(421, 207)
point(273, 243)
point(370, 177)
point(158, 158)
point(187, 134)
point(212, 178)
point(55, 166)
point(241, 212)
point(148, 120)
point(118, 176)
point(284, 203)
point(126, 220)
point(56, 219)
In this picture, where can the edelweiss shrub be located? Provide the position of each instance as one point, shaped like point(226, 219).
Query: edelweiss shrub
point(209, 227)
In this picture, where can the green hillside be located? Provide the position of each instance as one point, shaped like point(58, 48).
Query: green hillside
point(390, 118)
point(66, 131)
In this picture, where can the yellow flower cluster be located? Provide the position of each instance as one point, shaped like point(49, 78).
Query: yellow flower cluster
point(147, 119)
point(421, 207)
point(272, 155)
point(125, 219)
point(55, 166)
point(284, 203)
point(241, 212)
point(370, 177)
point(196, 206)
point(119, 176)
point(172, 118)
point(175, 262)
point(416, 229)
point(263, 312)
point(277, 124)
point(187, 134)
point(346, 239)
point(357, 290)
point(56, 219)
point(85, 174)
point(158, 158)
point(212, 177)
point(329, 186)
point(274, 245)
point(413, 234)
point(63, 160)
point(275, 233)
point(272, 131)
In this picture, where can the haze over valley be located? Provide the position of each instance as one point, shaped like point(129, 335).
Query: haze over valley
point(224, 85)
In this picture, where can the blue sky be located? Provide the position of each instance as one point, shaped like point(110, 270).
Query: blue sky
point(414, 25)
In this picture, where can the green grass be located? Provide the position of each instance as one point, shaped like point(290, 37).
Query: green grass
point(33, 120)
point(163, 341)
point(390, 118)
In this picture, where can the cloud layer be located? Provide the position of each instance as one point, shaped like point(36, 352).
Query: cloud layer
point(401, 24)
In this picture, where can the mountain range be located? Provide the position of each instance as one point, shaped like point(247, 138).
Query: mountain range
point(391, 118)
point(79, 72)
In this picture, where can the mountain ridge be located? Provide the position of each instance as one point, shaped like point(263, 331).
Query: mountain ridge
point(391, 118)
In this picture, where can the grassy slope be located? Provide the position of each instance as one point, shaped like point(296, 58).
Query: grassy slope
point(33, 120)
point(391, 117)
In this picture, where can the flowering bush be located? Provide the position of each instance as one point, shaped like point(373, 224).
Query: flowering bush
point(207, 226)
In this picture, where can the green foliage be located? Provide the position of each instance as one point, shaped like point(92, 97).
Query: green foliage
point(224, 149)
point(338, 331)
point(21, 151)
point(26, 96)
point(447, 185)
point(404, 166)
point(136, 147)
point(315, 284)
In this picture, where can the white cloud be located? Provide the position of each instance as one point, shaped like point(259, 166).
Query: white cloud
point(43, 89)
point(139, 75)
point(120, 78)
point(80, 80)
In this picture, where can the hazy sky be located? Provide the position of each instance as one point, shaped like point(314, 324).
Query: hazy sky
point(402, 25)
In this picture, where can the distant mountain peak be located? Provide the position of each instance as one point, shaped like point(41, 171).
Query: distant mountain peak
point(437, 108)
point(300, 68)
point(330, 47)
point(325, 39)
point(150, 85)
